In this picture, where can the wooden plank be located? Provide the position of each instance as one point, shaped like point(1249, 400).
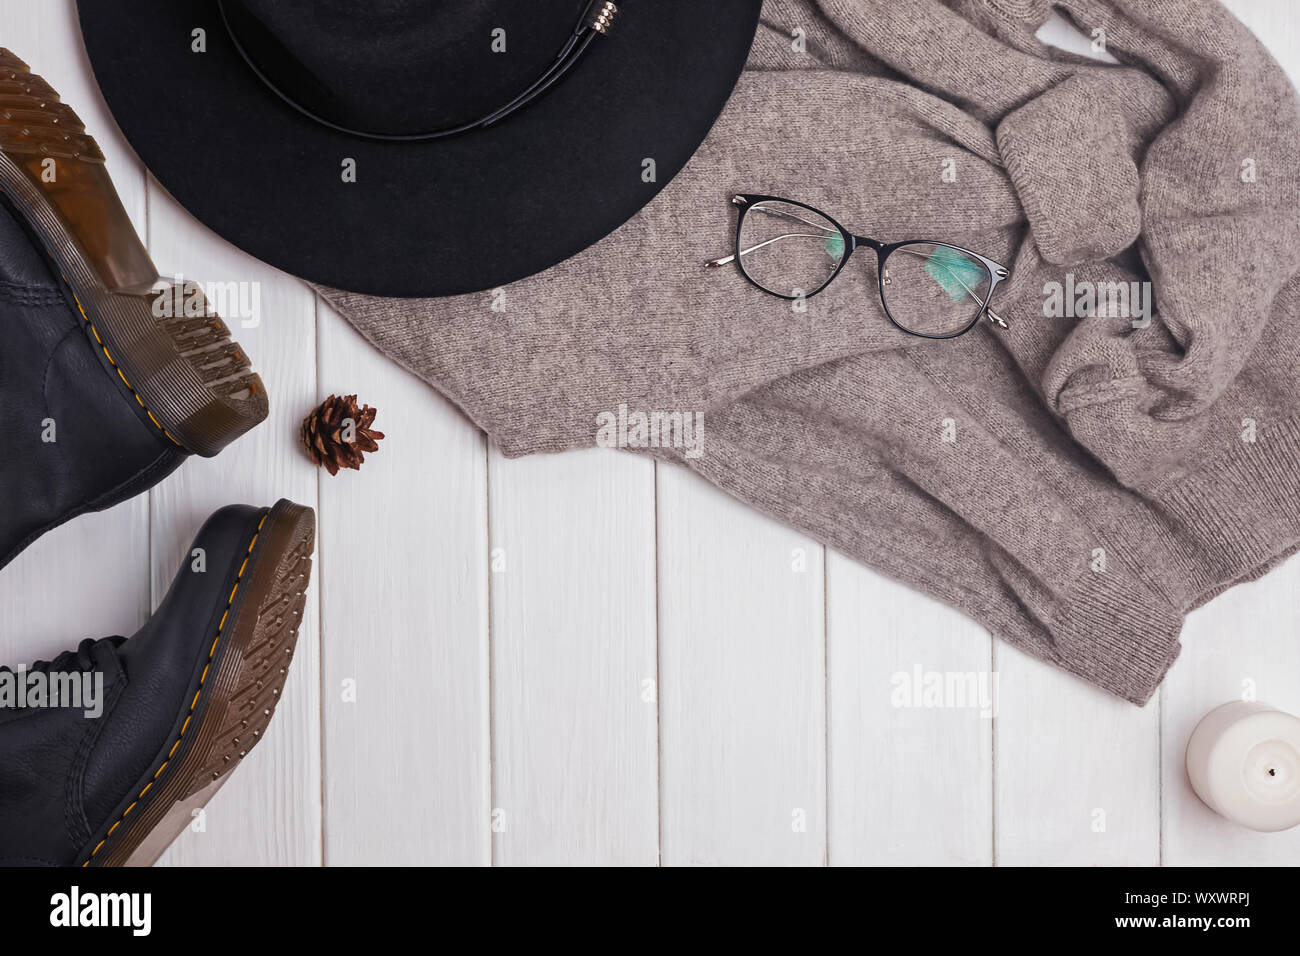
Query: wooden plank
point(270, 813)
point(1241, 643)
point(910, 777)
point(91, 576)
point(742, 682)
point(573, 645)
point(1077, 770)
point(405, 639)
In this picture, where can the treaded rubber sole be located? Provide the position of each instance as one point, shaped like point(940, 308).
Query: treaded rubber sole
point(191, 380)
point(231, 710)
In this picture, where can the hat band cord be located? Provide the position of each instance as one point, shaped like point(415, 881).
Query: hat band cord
point(596, 21)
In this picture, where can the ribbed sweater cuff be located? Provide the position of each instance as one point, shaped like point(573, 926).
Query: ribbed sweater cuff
point(1232, 520)
point(1118, 634)
point(1239, 515)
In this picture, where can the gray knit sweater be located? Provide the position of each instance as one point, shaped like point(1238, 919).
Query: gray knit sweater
point(1077, 483)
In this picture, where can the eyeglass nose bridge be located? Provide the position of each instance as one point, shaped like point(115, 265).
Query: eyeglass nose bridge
point(880, 275)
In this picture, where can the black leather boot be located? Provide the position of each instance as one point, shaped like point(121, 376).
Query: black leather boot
point(107, 383)
point(111, 780)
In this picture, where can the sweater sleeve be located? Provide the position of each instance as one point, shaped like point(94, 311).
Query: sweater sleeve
point(1199, 174)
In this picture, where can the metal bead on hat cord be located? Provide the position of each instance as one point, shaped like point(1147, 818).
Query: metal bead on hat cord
point(600, 15)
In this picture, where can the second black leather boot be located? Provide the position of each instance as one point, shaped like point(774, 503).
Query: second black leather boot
point(104, 392)
point(111, 776)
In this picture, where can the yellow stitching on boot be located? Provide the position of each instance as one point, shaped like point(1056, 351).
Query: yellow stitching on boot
point(104, 349)
point(132, 390)
point(190, 715)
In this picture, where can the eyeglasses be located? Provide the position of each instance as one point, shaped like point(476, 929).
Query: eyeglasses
point(931, 289)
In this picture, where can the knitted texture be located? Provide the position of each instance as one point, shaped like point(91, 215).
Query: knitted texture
point(1077, 483)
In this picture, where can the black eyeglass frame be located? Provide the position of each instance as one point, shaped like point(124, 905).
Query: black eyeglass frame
point(997, 272)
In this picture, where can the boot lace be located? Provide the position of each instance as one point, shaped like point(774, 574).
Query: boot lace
point(78, 660)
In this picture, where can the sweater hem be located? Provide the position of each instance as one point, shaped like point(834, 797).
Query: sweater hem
point(1239, 516)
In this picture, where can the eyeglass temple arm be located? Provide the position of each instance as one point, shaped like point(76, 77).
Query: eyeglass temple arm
point(782, 214)
point(715, 263)
point(779, 214)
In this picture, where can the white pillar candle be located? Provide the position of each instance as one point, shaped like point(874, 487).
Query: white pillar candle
point(1243, 760)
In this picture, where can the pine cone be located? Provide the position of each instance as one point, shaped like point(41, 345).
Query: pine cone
point(322, 433)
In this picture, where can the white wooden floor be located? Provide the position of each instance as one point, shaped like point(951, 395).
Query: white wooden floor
point(588, 658)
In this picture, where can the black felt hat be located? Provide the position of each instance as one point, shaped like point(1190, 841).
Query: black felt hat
point(354, 142)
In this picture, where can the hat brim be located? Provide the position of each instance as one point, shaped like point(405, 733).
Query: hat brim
point(437, 218)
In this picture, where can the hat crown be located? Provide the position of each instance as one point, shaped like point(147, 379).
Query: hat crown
point(401, 67)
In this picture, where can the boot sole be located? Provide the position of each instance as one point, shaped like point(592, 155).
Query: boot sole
point(190, 379)
point(241, 685)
